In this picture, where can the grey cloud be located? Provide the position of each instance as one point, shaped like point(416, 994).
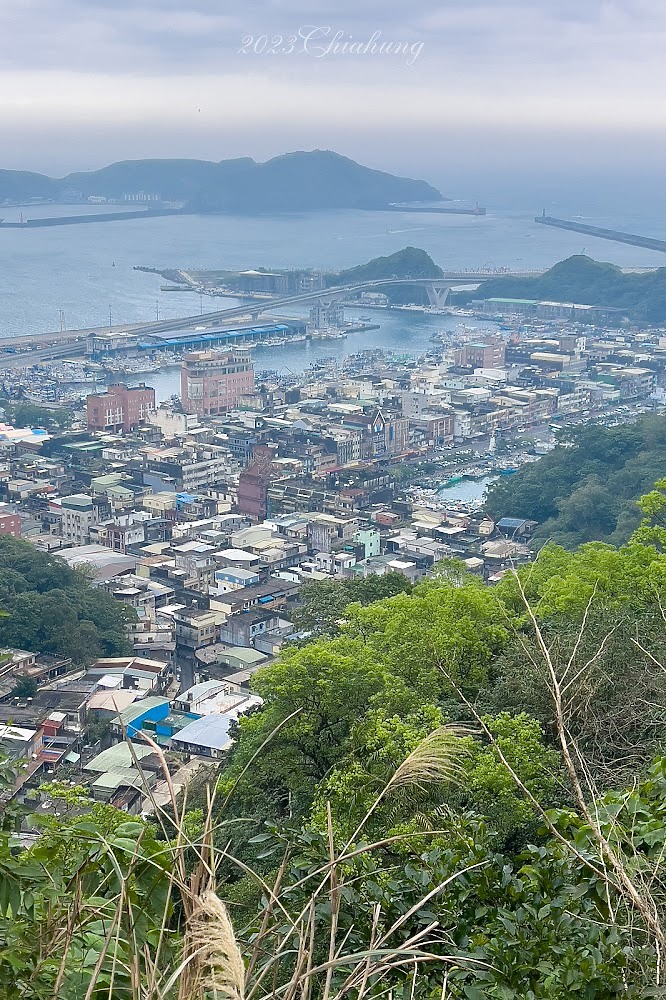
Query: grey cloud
point(173, 36)
point(510, 63)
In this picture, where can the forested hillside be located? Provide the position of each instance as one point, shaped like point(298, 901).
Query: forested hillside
point(408, 263)
point(582, 279)
point(313, 180)
point(47, 607)
point(455, 792)
point(586, 489)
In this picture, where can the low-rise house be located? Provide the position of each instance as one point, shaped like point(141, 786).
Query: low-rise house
point(246, 628)
point(115, 778)
point(503, 553)
point(274, 592)
point(133, 672)
point(196, 628)
point(197, 562)
point(327, 533)
point(231, 578)
point(20, 743)
point(104, 563)
point(208, 736)
point(119, 536)
point(216, 697)
point(132, 720)
point(69, 697)
point(228, 662)
point(516, 528)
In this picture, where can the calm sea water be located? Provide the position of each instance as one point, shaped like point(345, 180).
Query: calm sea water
point(85, 271)
point(468, 490)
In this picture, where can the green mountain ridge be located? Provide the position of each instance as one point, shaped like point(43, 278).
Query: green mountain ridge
point(301, 181)
point(407, 263)
point(581, 279)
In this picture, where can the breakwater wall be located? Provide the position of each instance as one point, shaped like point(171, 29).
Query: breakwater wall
point(78, 220)
point(617, 236)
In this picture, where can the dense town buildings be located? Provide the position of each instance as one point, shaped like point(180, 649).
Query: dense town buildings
point(206, 519)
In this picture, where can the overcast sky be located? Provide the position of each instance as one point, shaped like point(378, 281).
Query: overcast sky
point(85, 82)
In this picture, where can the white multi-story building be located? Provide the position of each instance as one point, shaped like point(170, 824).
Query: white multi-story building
point(79, 514)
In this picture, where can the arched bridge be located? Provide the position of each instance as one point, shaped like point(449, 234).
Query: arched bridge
point(72, 342)
point(437, 289)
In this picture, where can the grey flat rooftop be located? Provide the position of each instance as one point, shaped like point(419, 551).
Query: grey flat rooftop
point(210, 731)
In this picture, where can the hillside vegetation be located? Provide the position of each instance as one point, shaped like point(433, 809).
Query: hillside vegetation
point(47, 607)
point(458, 792)
point(582, 279)
point(408, 263)
point(586, 489)
point(576, 279)
point(317, 180)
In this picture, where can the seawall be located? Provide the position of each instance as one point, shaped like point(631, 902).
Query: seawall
point(605, 234)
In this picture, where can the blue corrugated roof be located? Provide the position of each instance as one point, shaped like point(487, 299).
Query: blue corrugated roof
point(180, 338)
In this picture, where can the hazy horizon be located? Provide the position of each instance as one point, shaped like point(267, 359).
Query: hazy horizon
point(472, 91)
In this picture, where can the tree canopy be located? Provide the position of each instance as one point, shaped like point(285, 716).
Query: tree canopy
point(21, 414)
point(452, 790)
point(51, 608)
point(581, 279)
point(587, 488)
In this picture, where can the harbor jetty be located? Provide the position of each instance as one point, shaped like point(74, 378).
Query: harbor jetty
point(78, 220)
point(605, 234)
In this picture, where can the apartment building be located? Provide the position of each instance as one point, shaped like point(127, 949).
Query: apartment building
point(212, 382)
point(79, 514)
point(119, 409)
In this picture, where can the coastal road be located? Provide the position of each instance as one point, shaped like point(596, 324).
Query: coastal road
point(25, 359)
point(255, 308)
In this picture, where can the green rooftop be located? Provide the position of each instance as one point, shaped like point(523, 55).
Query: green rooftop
point(118, 757)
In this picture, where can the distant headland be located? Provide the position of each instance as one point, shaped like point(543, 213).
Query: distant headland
point(319, 180)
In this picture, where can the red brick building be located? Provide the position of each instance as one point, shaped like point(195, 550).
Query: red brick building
point(119, 408)
point(10, 524)
point(212, 382)
point(253, 483)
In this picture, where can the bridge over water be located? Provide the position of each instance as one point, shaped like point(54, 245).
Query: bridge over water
point(437, 289)
point(53, 344)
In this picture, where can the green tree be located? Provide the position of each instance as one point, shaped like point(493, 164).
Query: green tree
point(31, 415)
point(599, 611)
point(652, 530)
point(587, 488)
point(312, 698)
point(25, 687)
point(47, 607)
point(323, 602)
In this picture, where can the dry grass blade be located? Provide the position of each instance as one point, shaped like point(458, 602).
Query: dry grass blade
point(435, 760)
point(217, 954)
